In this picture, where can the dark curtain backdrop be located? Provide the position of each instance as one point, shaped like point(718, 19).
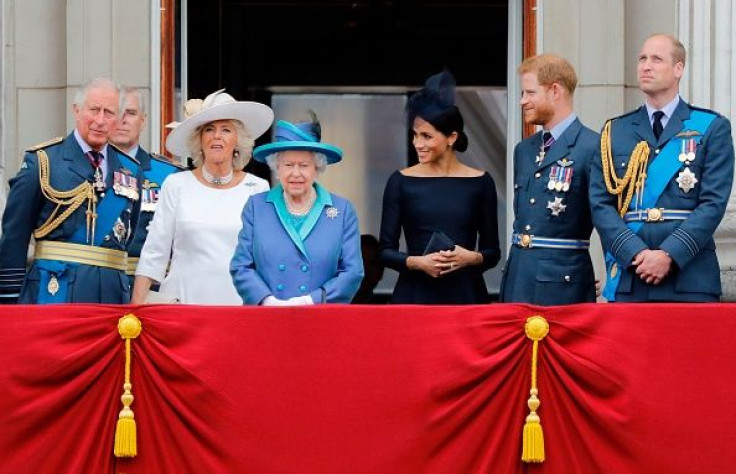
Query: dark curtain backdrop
point(389, 389)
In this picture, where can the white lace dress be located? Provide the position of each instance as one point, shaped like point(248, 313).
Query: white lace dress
point(198, 227)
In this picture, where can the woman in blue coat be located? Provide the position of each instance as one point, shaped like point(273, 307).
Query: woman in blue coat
point(299, 244)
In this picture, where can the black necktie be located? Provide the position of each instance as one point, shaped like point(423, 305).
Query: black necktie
point(95, 158)
point(657, 125)
point(547, 141)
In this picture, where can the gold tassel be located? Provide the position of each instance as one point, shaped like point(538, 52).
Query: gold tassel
point(126, 445)
point(536, 329)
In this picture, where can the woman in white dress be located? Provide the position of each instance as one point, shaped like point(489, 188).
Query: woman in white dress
point(195, 229)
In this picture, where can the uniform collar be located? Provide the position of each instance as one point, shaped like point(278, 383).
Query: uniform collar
point(134, 151)
point(85, 147)
point(560, 128)
point(668, 110)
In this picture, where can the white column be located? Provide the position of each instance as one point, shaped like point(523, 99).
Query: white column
point(707, 30)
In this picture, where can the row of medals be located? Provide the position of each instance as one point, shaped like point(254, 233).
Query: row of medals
point(686, 179)
point(560, 177)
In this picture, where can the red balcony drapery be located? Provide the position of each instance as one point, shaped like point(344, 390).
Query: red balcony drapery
point(369, 389)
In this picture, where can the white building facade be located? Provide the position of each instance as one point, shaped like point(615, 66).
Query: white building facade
point(50, 47)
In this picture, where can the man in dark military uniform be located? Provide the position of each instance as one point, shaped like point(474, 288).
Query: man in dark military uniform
point(155, 169)
point(80, 199)
point(659, 188)
point(549, 262)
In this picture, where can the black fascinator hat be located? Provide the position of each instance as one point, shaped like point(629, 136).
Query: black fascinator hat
point(435, 103)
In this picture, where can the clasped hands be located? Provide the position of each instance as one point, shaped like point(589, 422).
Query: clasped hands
point(652, 266)
point(443, 262)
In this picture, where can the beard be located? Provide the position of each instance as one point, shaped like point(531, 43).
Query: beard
point(540, 115)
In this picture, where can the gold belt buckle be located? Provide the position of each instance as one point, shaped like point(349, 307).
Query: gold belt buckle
point(525, 241)
point(655, 214)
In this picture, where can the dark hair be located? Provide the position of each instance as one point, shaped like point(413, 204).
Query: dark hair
point(435, 103)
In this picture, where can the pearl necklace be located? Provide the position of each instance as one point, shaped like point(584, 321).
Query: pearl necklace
point(301, 210)
point(217, 180)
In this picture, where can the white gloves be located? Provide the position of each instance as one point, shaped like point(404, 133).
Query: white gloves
point(299, 300)
point(271, 300)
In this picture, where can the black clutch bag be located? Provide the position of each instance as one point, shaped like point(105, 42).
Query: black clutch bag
point(438, 241)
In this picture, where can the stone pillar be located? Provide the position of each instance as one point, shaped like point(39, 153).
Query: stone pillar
point(53, 46)
point(589, 34)
point(706, 28)
point(34, 77)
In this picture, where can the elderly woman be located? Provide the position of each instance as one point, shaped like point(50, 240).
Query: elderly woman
point(195, 228)
point(299, 243)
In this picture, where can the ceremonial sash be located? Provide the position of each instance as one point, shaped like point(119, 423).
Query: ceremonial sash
point(48, 269)
point(659, 174)
point(156, 175)
point(108, 210)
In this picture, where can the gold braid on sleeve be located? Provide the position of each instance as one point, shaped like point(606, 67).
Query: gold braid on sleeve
point(72, 199)
point(636, 172)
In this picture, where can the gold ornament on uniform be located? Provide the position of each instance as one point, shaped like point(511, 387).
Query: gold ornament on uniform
point(129, 327)
point(536, 328)
point(72, 199)
point(636, 172)
point(53, 286)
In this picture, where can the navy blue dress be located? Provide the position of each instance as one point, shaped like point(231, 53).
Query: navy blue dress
point(464, 209)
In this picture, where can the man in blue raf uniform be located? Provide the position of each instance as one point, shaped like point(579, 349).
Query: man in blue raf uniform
point(155, 170)
point(549, 262)
point(660, 186)
point(80, 199)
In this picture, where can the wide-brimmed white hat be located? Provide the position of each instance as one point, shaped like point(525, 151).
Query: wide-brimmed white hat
point(219, 105)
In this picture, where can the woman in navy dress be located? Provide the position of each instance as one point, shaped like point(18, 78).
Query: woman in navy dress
point(447, 210)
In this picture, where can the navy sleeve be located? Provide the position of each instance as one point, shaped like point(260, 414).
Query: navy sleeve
point(391, 225)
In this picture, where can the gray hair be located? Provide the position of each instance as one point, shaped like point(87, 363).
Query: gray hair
point(97, 83)
point(125, 90)
point(241, 154)
point(320, 161)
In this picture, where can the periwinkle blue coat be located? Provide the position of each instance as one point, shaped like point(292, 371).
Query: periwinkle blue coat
point(322, 260)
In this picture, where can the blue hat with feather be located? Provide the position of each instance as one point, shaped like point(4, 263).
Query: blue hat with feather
point(298, 136)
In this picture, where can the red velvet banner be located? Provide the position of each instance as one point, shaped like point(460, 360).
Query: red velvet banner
point(389, 389)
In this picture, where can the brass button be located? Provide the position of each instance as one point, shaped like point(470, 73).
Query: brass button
point(532, 201)
point(567, 277)
point(537, 175)
point(527, 227)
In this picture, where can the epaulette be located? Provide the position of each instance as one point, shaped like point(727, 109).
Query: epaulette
point(45, 144)
point(164, 159)
point(703, 109)
point(630, 112)
point(135, 160)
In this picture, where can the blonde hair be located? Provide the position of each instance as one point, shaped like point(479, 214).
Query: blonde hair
point(551, 69)
point(241, 155)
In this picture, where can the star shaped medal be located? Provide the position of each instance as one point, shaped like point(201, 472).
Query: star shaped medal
point(556, 206)
point(686, 180)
